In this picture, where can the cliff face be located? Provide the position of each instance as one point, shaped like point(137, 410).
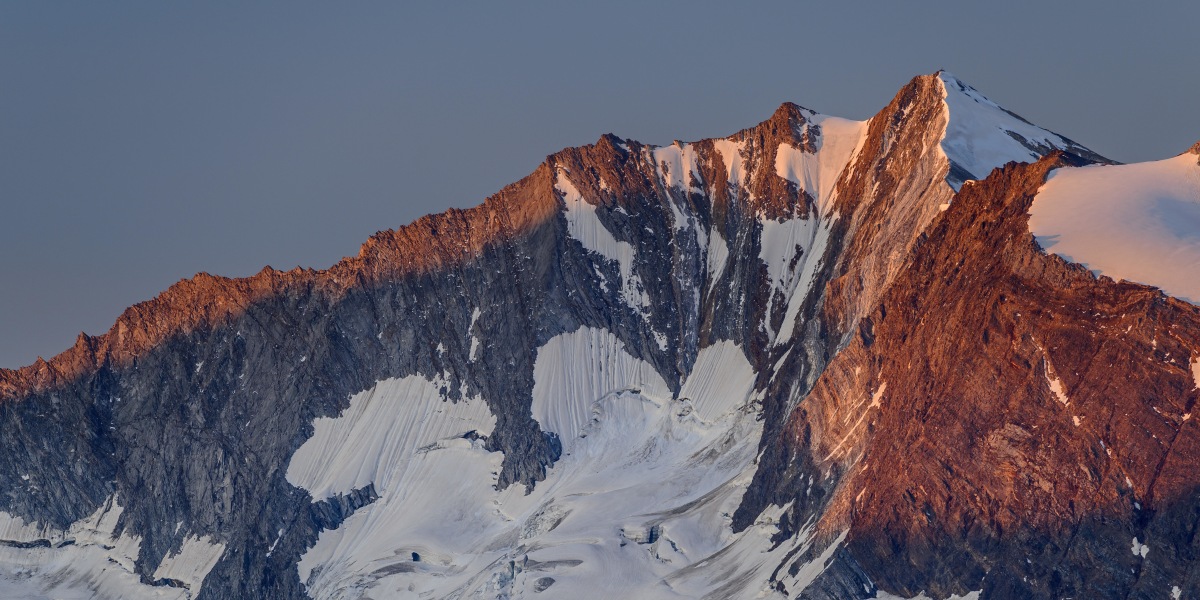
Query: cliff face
point(1005, 421)
point(927, 398)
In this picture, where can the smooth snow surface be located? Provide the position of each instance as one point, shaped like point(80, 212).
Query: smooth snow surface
point(818, 173)
point(15, 529)
point(195, 559)
point(720, 382)
point(89, 560)
point(638, 506)
point(1138, 222)
point(980, 135)
point(575, 369)
point(384, 427)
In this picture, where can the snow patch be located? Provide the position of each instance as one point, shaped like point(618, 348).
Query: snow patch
point(383, 426)
point(1056, 387)
point(793, 248)
point(1137, 222)
point(817, 173)
point(800, 284)
point(278, 536)
point(731, 155)
point(1140, 549)
point(881, 595)
point(809, 571)
point(722, 380)
point(718, 255)
point(1052, 381)
point(88, 560)
point(877, 397)
point(574, 370)
point(474, 339)
point(792, 251)
point(781, 241)
point(676, 165)
point(196, 558)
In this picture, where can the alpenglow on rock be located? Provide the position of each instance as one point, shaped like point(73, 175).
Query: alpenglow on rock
point(940, 353)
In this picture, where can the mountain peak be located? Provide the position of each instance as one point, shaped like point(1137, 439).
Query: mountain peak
point(981, 135)
point(791, 112)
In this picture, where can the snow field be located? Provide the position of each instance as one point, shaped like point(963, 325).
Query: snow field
point(1137, 222)
point(646, 486)
point(90, 560)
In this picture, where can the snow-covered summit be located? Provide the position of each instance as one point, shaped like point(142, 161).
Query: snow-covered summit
point(982, 135)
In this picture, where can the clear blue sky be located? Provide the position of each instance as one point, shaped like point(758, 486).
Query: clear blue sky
point(143, 142)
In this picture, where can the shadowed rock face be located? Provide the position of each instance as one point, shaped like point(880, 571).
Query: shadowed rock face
point(914, 397)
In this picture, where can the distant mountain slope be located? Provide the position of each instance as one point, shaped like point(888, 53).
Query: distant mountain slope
point(817, 358)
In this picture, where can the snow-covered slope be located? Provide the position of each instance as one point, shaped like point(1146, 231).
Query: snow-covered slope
point(642, 494)
point(981, 135)
point(90, 560)
point(1137, 222)
point(818, 172)
point(792, 248)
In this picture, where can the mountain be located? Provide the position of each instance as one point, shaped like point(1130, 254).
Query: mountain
point(819, 358)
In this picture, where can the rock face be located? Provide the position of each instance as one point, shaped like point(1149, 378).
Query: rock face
point(871, 377)
point(1005, 421)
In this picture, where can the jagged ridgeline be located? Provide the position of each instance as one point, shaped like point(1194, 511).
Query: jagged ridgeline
point(939, 353)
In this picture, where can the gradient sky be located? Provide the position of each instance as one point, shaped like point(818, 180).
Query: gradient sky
point(141, 143)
